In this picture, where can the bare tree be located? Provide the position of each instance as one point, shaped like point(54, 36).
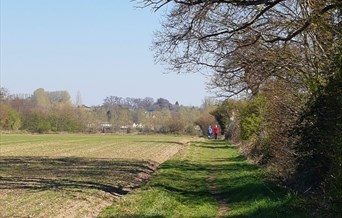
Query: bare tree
point(3, 93)
point(247, 43)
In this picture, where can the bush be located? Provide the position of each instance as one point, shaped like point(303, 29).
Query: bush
point(62, 119)
point(36, 122)
point(176, 125)
point(254, 129)
point(253, 118)
point(9, 118)
point(192, 130)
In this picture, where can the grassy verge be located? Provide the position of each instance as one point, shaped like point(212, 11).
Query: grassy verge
point(181, 188)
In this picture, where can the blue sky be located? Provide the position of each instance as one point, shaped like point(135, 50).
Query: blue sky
point(98, 47)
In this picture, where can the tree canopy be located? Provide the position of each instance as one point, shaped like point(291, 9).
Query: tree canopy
point(247, 44)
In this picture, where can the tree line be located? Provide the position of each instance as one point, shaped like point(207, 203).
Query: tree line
point(277, 65)
point(53, 111)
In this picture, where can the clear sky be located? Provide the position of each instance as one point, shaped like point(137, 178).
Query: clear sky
point(98, 47)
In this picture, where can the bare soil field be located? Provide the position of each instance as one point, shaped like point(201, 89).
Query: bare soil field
point(75, 175)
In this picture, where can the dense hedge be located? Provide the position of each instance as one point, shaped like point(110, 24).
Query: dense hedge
point(320, 147)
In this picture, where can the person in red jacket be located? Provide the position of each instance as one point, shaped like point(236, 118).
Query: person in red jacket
point(216, 131)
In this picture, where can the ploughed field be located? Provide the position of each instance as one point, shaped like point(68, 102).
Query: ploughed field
point(66, 175)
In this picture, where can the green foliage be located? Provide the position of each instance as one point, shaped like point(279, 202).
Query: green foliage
point(223, 113)
point(59, 97)
point(250, 126)
point(192, 130)
point(53, 111)
point(36, 122)
point(254, 129)
point(44, 99)
point(9, 118)
point(320, 147)
point(227, 114)
point(40, 98)
point(253, 118)
point(63, 119)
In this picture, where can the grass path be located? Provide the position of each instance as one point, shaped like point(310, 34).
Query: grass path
point(221, 201)
point(207, 179)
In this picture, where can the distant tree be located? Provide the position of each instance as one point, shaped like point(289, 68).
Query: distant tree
point(147, 103)
point(160, 120)
point(59, 97)
point(70, 119)
point(124, 118)
point(176, 124)
point(112, 101)
point(208, 104)
point(204, 121)
point(109, 116)
point(3, 94)
point(21, 105)
point(162, 103)
point(79, 102)
point(40, 98)
point(226, 114)
point(189, 114)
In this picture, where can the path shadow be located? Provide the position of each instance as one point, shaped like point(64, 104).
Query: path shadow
point(214, 144)
point(162, 141)
point(138, 216)
point(117, 177)
point(236, 181)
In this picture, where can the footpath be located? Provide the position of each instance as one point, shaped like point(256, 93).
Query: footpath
point(207, 179)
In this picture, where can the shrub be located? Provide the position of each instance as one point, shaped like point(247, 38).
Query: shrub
point(176, 124)
point(253, 121)
point(36, 122)
point(9, 118)
point(64, 118)
point(254, 129)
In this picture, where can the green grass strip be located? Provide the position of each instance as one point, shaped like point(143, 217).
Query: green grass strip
point(181, 188)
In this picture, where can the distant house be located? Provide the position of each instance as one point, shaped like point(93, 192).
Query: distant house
point(137, 125)
point(105, 126)
point(85, 107)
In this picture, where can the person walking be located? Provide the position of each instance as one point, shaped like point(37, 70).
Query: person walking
point(216, 131)
point(209, 132)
